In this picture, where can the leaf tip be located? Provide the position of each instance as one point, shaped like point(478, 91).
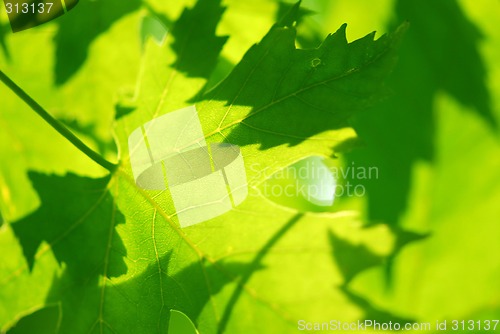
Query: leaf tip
point(341, 32)
point(291, 16)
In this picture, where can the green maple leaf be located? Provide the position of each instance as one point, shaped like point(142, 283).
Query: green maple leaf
point(83, 236)
point(266, 97)
point(276, 84)
point(125, 261)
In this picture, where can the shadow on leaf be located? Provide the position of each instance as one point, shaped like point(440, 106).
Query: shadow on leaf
point(439, 53)
point(195, 41)
point(77, 219)
point(252, 267)
point(80, 27)
point(352, 260)
point(196, 45)
point(43, 321)
point(373, 313)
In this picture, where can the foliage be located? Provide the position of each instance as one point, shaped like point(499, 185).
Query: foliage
point(87, 251)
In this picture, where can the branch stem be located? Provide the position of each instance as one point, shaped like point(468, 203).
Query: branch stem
point(57, 125)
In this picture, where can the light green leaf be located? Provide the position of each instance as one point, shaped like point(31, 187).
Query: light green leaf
point(267, 263)
point(125, 262)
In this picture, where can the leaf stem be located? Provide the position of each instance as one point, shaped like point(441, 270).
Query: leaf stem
point(57, 125)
